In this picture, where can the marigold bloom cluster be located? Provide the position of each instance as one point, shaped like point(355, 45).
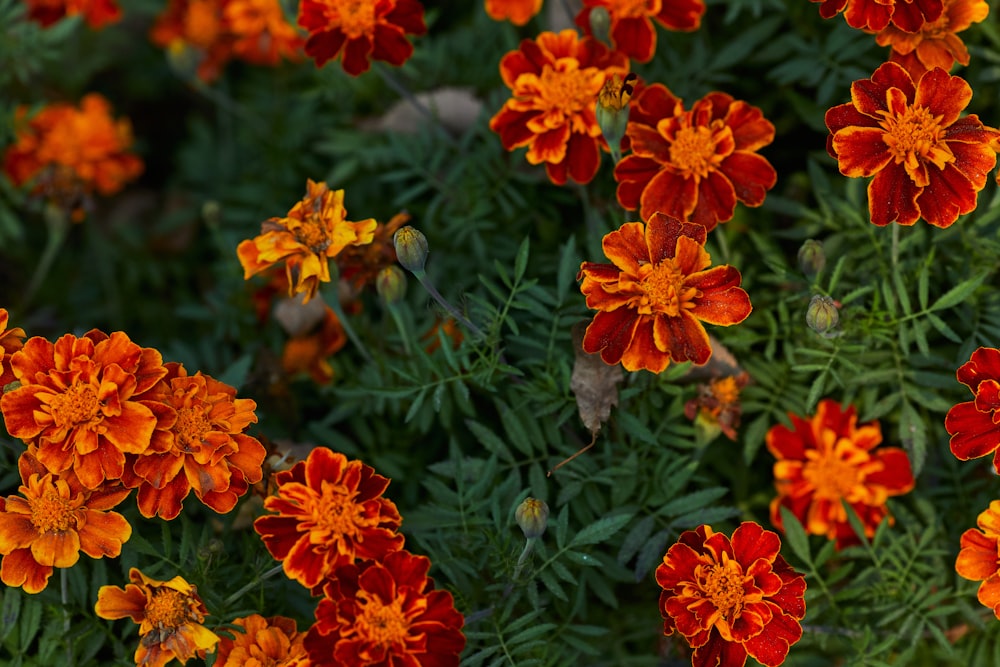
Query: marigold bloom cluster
point(828, 459)
point(264, 641)
point(517, 12)
point(67, 153)
point(11, 340)
point(875, 15)
point(554, 81)
point(96, 13)
point(633, 31)
point(731, 598)
point(977, 558)
point(654, 296)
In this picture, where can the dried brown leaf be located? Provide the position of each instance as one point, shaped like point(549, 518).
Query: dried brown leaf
point(594, 383)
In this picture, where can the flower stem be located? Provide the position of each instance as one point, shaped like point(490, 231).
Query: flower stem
point(64, 591)
point(333, 301)
point(397, 317)
point(403, 91)
point(232, 599)
point(421, 276)
point(58, 224)
point(895, 245)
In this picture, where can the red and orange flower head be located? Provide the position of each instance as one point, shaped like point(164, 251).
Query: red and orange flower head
point(936, 43)
point(555, 81)
point(200, 447)
point(11, 340)
point(717, 408)
point(694, 165)
point(169, 613)
point(875, 15)
point(330, 512)
point(260, 33)
point(828, 459)
point(310, 352)
point(927, 162)
point(313, 233)
point(68, 153)
point(194, 29)
point(81, 403)
point(97, 13)
point(731, 598)
point(977, 559)
point(360, 31)
point(653, 297)
point(385, 613)
point(974, 426)
point(517, 12)
point(359, 265)
point(54, 519)
point(264, 642)
point(632, 29)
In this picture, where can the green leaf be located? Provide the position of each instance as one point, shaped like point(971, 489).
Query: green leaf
point(959, 292)
point(636, 538)
point(795, 536)
point(600, 530)
point(521, 261)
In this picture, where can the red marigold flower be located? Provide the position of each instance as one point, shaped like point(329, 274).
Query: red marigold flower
point(936, 43)
point(330, 511)
point(875, 15)
point(977, 559)
point(694, 165)
point(198, 27)
point(260, 33)
point(654, 296)
point(314, 232)
point(80, 404)
point(169, 613)
point(11, 340)
point(202, 449)
point(827, 459)
point(717, 408)
point(517, 12)
point(97, 13)
point(360, 31)
point(555, 82)
point(385, 613)
point(926, 161)
point(731, 598)
point(310, 352)
point(632, 30)
point(264, 642)
point(974, 426)
point(52, 520)
point(69, 152)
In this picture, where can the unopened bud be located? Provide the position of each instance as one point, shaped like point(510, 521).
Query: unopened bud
point(390, 283)
point(600, 24)
point(812, 259)
point(612, 108)
point(532, 516)
point(411, 248)
point(823, 316)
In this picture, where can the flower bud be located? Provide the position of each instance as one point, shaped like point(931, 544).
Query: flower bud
point(600, 24)
point(612, 108)
point(390, 283)
point(823, 316)
point(812, 259)
point(411, 248)
point(532, 516)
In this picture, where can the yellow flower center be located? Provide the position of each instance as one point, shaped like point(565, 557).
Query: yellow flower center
point(190, 428)
point(51, 512)
point(567, 91)
point(693, 153)
point(831, 476)
point(355, 18)
point(633, 8)
point(382, 624)
point(663, 291)
point(726, 390)
point(336, 512)
point(913, 137)
point(168, 608)
point(722, 583)
point(77, 405)
point(312, 234)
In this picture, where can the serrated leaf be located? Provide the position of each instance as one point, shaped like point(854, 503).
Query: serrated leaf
point(600, 530)
point(636, 538)
point(521, 260)
point(959, 292)
point(795, 536)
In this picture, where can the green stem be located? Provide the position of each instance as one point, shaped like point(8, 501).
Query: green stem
point(421, 276)
point(64, 590)
point(895, 245)
point(232, 599)
point(58, 224)
point(397, 317)
point(333, 301)
point(400, 89)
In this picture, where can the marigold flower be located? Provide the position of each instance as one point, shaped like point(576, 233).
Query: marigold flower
point(731, 598)
point(169, 613)
point(927, 162)
point(264, 642)
point(654, 296)
point(260, 33)
point(11, 340)
point(198, 26)
point(827, 459)
point(977, 559)
point(80, 404)
point(385, 613)
point(632, 30)
point(694, 165)
point(202, 447)
point(359, 265)
point(67, 153)
point(314, 232)
point(360, 31)
point(717, 408)
point(52, 520)
point(517, 12)
point(97, 13)
point(310, 352)
point(330, 511)
point(936, 43)
point(449, 327)
point(874, 15)
point(974, 426)
point(555, 81)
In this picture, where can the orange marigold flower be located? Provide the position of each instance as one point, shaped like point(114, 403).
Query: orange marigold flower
point(731, 598)
point(974, 426)
point(264, 642)
point(654, 296)
point(936, 43)
point(11, 340)
point(875, 15)
point(385, 613)
point(330, 511)
point(717, 408)
point(169, 613)
point(314, 232)
point(926, 161)
point(827, 459)
point(69, 152)
point(360, 31)
point(632, 30)
point(310, 352)
point(260, 33)
point(360, 264)
point(97, 13)
point(197, 26)
point(81, 405)
point(977, 559)
point(202, 449)
point(432, 338)
point(694, 165)
point(517, 12)
point(555, 82)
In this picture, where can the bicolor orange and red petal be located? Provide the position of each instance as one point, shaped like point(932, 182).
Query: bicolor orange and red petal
point(263, 642)
point(517, 12)
point(11, 340)
point(977, 559)
point(936, 43)
point(96, 13)
point(974, 426)
point(875, 15)
point(633, 22)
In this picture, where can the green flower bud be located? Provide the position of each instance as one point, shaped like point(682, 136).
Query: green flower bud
point(812, 259)
point(532, 516)
point(390, 283)
point(411, 248)
point(600, 24)
point(612, 108)
point(823, 316)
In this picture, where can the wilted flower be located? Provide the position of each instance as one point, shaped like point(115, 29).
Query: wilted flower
point(633, 31)
point(310, 352)
point(974, 426)
point(977, 559)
